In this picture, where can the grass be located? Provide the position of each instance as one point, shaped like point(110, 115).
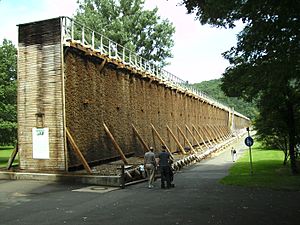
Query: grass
point(5, 152)
point(268, 171)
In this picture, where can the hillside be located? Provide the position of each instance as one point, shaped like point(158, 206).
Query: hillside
point(212, 88)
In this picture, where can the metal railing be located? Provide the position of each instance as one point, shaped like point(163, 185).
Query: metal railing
point(74, 31)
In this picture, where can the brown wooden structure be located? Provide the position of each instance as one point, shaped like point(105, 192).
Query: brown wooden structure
point(69, 88)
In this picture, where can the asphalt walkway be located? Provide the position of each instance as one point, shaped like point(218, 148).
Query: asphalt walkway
point(197, 199)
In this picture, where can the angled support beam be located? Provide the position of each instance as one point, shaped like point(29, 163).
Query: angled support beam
point(12, 157)
point(140, 138)
point(193, 136)
point(209, 133)
point(176, 140)
point(222, 132)
point(117, 147)
point(78, 152)
point(200, 136)
point(185, 138)
point(215, 133)
point(206, 136)
point(161, 140)
point(226, 132)
point(102, 65)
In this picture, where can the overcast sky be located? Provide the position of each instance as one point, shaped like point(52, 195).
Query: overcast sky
point(197, 50)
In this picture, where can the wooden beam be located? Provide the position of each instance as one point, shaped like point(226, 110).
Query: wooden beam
point(140, 138)
point(200, 136)
point(161, 140)
point(217, 132)
point(117, 147)
point(210, 135)
point(78, 152)
point(207, 138)
point(220, 131)
point(185, 138)
point(12, 157)
point(227, 132)
point(193, 136)
point(176, 140)
point(102, 65)
point(214, 133)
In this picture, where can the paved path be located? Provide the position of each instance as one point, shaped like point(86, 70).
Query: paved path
point(197, 199)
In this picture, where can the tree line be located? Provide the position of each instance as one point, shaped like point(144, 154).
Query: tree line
point(213, 89)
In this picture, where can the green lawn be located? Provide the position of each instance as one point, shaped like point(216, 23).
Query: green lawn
point(268, 171)
point(5, 152)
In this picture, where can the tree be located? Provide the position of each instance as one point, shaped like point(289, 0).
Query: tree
point(8, 93)
point(265, 62)
point(128, 24)
point(213, 89)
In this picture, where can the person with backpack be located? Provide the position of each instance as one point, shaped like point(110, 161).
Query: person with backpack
point(233, 154)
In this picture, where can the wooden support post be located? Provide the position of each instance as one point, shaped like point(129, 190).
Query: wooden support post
point(200, 136)
point(140, 138)
point(12, 157)
point(102, 65)
point(185, 138)
point(210, 135)
point(221, 132)
point(222, 135)
point(176, 140)
point(227, 132)
point(207, 138)
point(214, 132)
point(218, 132)
point(78, 152)
point(193, 136)
point(117, 147)
point(161, 140)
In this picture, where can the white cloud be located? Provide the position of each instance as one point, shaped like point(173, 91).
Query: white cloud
point(197, 51)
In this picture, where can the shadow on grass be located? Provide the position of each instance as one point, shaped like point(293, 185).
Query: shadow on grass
point(4, 157)
point(266, 173)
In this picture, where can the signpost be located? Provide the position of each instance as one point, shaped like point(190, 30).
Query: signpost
point(249, 142)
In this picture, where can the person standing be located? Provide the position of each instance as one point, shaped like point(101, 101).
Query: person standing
point(150, 166)
point(233, 154)
point(165, 169)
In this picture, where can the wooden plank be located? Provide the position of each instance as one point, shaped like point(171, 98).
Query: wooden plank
point(176, 140)
point(117, 147)
point(140, 138)
point(210, 135)
point(214, 133)
point(204, 142)
point(193, 136)
point(102, 65)
point(161, 140)
point(207, 138)
point(12, 158)
point(226, 132)
point(78, 152)
point(185, 138)
point(219, 131)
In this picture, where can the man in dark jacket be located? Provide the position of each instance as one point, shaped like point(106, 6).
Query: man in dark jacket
point(165, 168)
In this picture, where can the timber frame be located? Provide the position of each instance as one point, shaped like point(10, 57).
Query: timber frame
point(102, 103)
